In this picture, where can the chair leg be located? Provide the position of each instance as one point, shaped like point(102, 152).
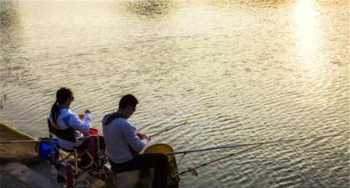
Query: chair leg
point(76, 159)
point(70, 177)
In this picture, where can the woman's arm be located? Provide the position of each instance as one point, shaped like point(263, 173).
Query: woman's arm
point(83, 125)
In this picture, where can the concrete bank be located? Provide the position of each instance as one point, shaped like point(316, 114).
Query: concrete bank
point(17, 152)
point(16, 145)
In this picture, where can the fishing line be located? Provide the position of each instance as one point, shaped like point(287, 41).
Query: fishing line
point(251, 144)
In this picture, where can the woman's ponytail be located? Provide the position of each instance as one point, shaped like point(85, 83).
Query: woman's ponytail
point(54, 112)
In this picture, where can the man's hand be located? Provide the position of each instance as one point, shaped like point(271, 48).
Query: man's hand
point(143, 136)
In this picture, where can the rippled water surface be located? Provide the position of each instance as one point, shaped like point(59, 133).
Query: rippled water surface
point(227, 71)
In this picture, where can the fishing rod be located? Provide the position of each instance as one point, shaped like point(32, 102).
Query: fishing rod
point(18, 141)
point(254, 145)
point(195, 173)
point(156, 134)
point(249, 144)
point(164, 130)
point(168, 129)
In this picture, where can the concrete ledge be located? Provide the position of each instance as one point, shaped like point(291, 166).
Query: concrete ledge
point(26, 175)
point(16, 146)
point(9, 133)
point(127, 179)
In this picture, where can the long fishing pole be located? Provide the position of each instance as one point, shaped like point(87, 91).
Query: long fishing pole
point(18, 141)
point(193, 169)
point(249, 144)
point(255, 145)
point(164, 130)
point(168, 129)
point(156, 134)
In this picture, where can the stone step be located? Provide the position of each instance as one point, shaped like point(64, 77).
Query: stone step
point(26, 175)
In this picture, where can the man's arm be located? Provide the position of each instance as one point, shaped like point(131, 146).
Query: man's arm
point(132, 138)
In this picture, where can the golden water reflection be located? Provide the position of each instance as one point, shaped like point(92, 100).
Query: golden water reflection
point(308, 37)
point(238, 71)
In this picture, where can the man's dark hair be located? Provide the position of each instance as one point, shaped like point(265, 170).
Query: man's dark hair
point(128, 100)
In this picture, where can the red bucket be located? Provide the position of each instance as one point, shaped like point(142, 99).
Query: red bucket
point(93, 132)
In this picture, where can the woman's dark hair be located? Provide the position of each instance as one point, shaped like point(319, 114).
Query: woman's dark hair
point(62, 95)
point(128, 100)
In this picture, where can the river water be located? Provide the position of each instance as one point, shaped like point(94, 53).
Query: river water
point(227, 71)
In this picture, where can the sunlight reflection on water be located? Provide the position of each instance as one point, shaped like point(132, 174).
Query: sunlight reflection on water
point(235, 71)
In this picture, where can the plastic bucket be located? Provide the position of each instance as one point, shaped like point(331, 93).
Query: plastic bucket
point(48, 149)
point(93, 132)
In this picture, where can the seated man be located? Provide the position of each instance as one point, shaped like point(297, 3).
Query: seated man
point(123, 144)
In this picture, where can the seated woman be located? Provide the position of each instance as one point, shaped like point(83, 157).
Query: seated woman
point(71, 130)
point(65, 124)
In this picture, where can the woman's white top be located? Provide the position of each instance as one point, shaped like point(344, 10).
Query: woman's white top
point(69, 119)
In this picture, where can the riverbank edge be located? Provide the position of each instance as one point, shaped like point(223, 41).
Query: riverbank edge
point(11, 129)
point(9, 134)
